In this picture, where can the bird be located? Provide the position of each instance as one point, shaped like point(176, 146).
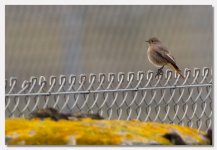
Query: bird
point(159, 56)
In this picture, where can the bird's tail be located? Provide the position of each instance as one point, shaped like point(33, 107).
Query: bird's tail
point(178, 70)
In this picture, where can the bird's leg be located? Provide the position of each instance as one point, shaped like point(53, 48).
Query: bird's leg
point(160, 71)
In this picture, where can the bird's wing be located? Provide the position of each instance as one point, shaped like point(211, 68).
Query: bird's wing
point(164, 53)
point(162, 48)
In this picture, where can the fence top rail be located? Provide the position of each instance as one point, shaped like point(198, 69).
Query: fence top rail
point(111, 82)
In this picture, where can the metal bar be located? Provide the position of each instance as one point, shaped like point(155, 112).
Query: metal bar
point(109, 90)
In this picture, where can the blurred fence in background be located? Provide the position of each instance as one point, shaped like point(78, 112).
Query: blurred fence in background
point(54, 40)
point(140, 95)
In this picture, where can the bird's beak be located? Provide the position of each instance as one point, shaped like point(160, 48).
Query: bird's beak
point(146, 41)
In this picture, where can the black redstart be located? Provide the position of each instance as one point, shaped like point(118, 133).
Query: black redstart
point(159, 56)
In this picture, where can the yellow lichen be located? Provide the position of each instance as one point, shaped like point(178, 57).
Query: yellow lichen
point(93, 132)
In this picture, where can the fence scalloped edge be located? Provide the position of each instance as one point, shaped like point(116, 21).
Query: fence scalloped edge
point(131, 95)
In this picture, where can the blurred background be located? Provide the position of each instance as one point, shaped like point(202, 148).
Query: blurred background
point(54, 40)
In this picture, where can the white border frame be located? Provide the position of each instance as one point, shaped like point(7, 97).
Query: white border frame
point(3, 3)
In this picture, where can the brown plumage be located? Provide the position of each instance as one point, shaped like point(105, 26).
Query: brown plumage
point(159, 56)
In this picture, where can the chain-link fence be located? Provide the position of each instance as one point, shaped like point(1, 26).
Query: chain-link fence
point(140, 95)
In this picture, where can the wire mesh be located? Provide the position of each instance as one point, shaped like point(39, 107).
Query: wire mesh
point(167, 99)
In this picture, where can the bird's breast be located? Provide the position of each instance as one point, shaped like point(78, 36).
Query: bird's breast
point(152, 57)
